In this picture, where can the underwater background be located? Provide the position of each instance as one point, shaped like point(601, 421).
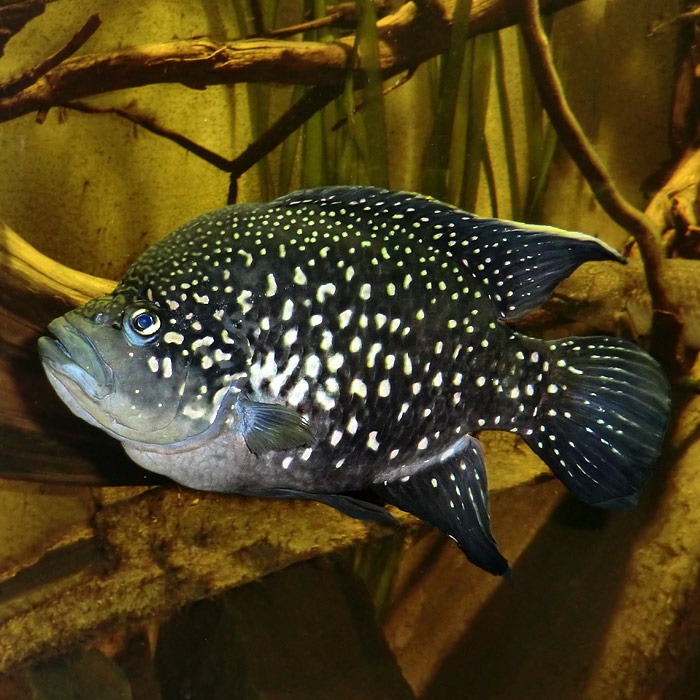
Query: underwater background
point(131, 591)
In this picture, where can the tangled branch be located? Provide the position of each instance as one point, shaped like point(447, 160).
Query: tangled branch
point(604, 189)
point(414, 33)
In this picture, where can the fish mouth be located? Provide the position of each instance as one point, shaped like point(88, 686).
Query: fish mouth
point(71, 355)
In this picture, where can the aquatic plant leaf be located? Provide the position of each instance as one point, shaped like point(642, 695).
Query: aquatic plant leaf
point(440, 143)
point(479, 89)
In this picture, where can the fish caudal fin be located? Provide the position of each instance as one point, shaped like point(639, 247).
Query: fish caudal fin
point(452, 494)
point(602, 419)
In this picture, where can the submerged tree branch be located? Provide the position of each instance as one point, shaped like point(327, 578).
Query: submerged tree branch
point(151, 125)
point(300, 112)
point(30, 77)
point(408, 37)
point(604, 189)
point(316, 98)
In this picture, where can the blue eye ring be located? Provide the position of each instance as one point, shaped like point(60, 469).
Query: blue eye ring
point(141, 324)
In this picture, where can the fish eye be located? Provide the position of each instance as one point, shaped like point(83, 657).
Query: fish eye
point(141, 325)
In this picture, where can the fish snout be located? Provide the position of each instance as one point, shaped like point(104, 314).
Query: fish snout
point(71, 353)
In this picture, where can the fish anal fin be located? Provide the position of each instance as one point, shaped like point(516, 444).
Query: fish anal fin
point(270, 426)
point(452, 495)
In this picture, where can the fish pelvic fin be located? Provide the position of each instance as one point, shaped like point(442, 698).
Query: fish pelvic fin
point(347, 505)
point(602, 418)
point(452, 494)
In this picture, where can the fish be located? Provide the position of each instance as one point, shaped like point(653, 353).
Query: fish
point(347, 345)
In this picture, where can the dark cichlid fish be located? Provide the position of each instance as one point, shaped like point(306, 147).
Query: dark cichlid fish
point(346, 339)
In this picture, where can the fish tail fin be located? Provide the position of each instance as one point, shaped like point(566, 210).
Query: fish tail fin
point(602, 418)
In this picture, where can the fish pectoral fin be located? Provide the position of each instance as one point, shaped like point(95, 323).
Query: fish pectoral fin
point(347, 505)
point(452, 494)
point(269, 426)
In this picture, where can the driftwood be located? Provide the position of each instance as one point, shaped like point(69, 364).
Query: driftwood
point(411, 35)
point(151, 552)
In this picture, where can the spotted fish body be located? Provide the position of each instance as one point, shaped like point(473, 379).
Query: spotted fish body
point(343, 339)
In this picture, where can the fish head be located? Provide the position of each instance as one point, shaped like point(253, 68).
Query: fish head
point(130, 367)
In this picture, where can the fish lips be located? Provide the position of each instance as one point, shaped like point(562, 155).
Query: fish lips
point(70, 354)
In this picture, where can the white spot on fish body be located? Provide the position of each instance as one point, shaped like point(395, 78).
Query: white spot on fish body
point(326, 340)
point(242, 300)
point(358, 387)
point(372, 441)
point(153, 363)
point(365, 291)
point(326, 402)
point(335, 362)
point(173, 337)
point(299, 276)
point(299, 392)
point(371, 355)
point(344, 318)
point(325, 290)
point(313, 366)
point(290, 337)
point(287, 309)
point(206, 341)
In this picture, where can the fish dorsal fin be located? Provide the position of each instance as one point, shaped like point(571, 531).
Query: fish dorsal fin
point(518, 264)
point(521, 264)
point(451, 493)
point(269, 426)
